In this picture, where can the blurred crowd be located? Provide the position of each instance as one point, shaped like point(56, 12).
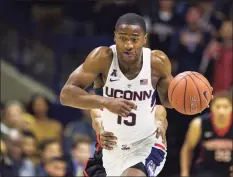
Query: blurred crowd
point(196, 36)
point(35, 144)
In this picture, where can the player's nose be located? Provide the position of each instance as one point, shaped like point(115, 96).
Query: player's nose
point(128, 45)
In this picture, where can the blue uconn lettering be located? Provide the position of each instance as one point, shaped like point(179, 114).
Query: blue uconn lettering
point(128, 95)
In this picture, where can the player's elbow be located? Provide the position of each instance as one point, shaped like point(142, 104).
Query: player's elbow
point(64, 95)
point(160, 111)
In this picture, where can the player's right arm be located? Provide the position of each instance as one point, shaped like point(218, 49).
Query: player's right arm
point(74, 95)
point(192, 138)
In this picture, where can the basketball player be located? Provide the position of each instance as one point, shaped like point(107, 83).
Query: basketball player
point(214, 132)
point(94, 166)
point(130, 73)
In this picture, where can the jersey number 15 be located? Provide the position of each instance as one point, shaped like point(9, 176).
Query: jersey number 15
point(130, 120)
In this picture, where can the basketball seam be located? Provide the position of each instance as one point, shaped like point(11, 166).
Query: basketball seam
point(177, 84)
point(201, 80)
point(197, 91)
point(185, 94)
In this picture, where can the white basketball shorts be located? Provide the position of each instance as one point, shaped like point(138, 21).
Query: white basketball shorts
point(150, 151)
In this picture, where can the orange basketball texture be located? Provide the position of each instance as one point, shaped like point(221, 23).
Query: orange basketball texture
point(189, 93)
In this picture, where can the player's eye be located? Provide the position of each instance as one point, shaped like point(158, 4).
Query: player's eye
point(134, 40)
point(123, 38)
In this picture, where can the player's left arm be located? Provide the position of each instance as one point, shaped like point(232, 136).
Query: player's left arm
point(96, 120)
point(161, 122)
point(161, 115)
point(107, 139)
point(161, 67)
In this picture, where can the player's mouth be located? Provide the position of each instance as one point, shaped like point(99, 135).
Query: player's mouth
point(129, 55)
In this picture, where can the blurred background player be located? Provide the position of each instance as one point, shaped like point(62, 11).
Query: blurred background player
point(214, 133)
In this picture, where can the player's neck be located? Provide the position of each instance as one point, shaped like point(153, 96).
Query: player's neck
point(131, 67)
point(221, 123)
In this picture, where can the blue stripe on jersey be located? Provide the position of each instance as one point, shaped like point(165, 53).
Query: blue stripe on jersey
point(153, 100)
point(98, 91)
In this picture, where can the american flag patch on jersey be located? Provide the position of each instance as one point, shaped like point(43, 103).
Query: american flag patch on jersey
point(143, 81)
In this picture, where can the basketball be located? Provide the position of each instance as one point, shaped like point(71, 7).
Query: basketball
point(190, 93)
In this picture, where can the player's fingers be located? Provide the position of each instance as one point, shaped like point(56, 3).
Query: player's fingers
point(106, 147)
point(127, 108)
point(107, 138)
point(131, 104)
point(107, 144)
point(106, 133)
point(125, 111)
point(110, 143)
point(121, 113)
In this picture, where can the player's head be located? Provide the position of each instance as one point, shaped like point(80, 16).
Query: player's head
point(130, 37)
point(221, 105)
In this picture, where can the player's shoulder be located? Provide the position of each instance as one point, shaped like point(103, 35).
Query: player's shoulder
point(196, 122)
point(99, 59)
point(160, 63)
point(102, 53)
point(158, 56)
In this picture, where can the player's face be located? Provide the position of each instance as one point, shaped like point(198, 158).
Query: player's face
point(221, 108)
point(129, 41)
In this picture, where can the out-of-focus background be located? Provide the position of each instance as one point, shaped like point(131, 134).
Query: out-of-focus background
point(42, 43)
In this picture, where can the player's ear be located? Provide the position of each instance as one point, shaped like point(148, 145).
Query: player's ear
point(145, 38)
point(114, 36)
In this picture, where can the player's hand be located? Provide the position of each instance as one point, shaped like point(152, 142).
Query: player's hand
point(161, 132)
point(107, 140)
point(119, 106)
point(212, 96)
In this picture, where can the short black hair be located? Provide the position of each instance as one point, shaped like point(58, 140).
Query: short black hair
point(131, 19)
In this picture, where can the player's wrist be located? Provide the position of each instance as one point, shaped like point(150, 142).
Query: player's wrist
point(104, 102)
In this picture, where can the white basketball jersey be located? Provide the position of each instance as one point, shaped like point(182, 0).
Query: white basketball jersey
point(140, 123)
